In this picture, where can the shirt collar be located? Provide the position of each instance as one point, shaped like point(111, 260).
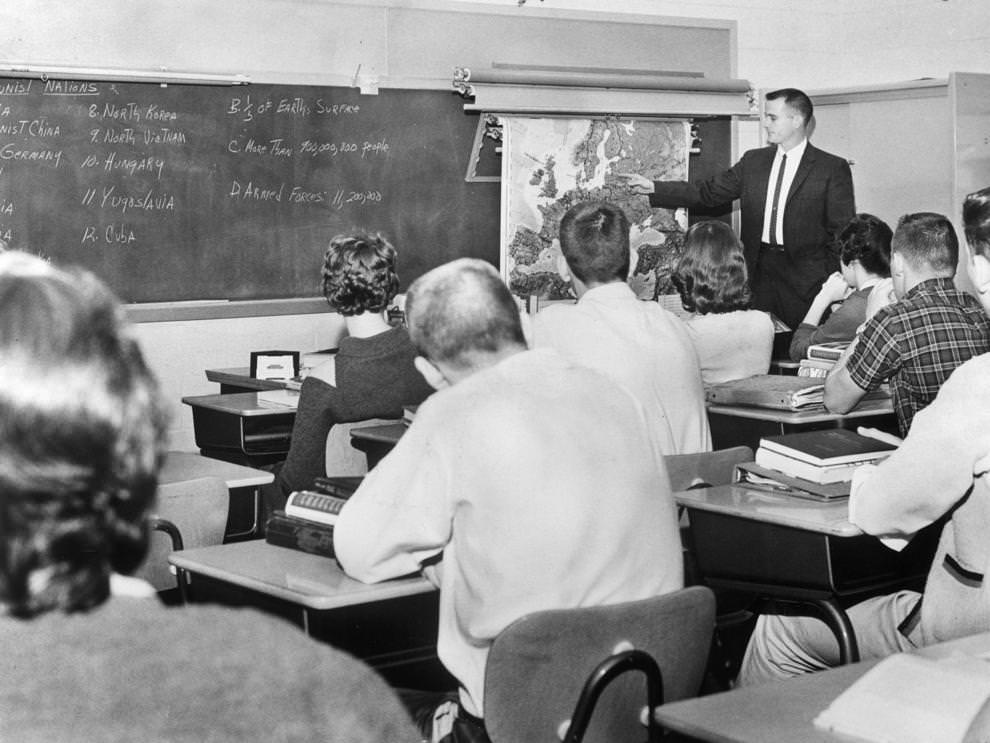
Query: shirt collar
point(796, 152)
point(939, 283)
point(611, 290)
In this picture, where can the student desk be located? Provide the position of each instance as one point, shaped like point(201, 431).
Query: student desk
point(782, 711)
point(377, 441)
point(241, 429)
point(391, 625)
point(180, 466)
point(800, 551)
point(239, 379)
point(745, 425)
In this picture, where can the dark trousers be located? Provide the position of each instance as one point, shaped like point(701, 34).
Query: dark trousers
point(421, 706)
point(784, 286)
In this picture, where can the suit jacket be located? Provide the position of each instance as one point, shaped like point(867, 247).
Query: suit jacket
point(818, 205)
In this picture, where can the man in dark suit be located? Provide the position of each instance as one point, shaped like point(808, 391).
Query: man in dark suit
point(787, 239)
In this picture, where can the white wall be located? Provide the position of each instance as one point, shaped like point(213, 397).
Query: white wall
point(812, 44)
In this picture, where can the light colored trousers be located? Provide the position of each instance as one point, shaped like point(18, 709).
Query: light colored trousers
point(783, 646)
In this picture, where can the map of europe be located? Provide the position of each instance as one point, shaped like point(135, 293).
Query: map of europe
point(550, 164)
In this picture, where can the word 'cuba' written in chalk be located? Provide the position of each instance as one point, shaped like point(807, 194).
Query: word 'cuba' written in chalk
point(113, 234)
point(335, 198)
point(332, 149)
point(247, 108)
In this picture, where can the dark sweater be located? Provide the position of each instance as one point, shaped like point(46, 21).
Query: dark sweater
point(375, 378)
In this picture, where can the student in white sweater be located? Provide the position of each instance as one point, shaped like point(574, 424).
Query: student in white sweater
point(732, 340)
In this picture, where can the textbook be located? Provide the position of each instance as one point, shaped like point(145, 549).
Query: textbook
point(300, 534)
point(753, 475)
point(913, 699)
point(777, 391)
point(814, 367)
point(828, 447)
point(313, 506)
point(828, 351)
point(813, 472)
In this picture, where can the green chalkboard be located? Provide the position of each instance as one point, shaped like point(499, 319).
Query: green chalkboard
point(184, 192)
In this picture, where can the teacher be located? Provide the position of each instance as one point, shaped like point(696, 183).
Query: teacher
point(794, 200)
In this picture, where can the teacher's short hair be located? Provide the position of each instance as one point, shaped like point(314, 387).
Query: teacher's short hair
point(976, 221)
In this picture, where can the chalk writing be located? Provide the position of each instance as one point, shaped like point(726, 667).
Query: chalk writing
point(133, 165)
point(32, 128)
point(70, 87)
point(10, 152)
point(149, 201)
point(336, 109)
point(15, 87)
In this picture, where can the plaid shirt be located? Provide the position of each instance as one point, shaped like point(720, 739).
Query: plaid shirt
point(917, 342)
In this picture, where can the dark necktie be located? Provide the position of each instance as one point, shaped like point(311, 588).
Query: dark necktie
point(776, 200)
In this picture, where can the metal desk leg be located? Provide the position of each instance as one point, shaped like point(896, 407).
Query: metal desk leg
point(838, 621)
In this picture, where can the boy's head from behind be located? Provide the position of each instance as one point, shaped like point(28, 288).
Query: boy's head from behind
point(594, 238)
point(924, 246)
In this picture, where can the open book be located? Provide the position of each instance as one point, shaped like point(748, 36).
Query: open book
point(912, 699)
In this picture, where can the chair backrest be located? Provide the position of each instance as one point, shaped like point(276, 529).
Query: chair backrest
point(342, 459)
point(712, 467)
point(539, 663)
point(199, 509)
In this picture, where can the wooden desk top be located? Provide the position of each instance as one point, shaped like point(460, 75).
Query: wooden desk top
point(311, 581)
point(782, 711)
point(181, 465)
point(830, 518)
point(244, 404)
point(818, 414)
point(240, 376)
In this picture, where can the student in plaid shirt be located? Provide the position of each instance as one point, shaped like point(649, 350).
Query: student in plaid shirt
point(916, 342)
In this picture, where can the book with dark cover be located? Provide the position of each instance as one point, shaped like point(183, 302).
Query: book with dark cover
point(299, 534)
point(828, 447)
point(341, 486)
point(778, 391)
point(828, 351)
point(814, 472)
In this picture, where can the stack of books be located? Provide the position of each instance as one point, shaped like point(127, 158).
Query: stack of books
point(307, 522)
point(820, 358)
point(823, 457)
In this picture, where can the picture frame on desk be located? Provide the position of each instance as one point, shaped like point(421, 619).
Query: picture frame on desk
point(274, 364)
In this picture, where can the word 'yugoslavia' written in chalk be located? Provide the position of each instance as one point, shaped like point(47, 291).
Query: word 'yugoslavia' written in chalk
point(334, 198)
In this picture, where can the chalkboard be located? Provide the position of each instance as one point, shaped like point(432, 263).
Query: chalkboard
point(184, 192)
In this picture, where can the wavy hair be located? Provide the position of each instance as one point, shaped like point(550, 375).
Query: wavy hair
point(358, 273)
point(711, 274)
point(82, 436)
point(866, 239)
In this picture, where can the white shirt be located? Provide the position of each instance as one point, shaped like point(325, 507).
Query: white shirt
point(641, 346)
point(732, 345)
point(794, 156)
point(539, 483)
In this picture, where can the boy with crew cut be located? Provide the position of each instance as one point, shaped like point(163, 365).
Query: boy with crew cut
point(919, 340)
point(639, 345)
point(538, 482)
point(941, 470)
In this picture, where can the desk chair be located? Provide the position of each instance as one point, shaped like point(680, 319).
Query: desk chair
point(342, 459)
point(197, 512)
point(560, 674)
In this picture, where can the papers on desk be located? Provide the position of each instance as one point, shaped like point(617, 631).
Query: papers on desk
point(286, 398)
point(911, 699)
